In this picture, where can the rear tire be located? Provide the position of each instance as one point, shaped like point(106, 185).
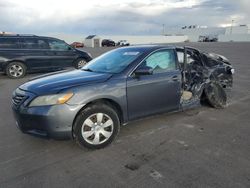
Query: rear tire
point(16, 70)
point(96, 126)
point(216, 95)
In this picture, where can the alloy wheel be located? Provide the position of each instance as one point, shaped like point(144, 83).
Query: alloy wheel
point(81, 63)
point(16, 71)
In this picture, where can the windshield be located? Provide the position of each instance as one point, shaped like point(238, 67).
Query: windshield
point(114, 61)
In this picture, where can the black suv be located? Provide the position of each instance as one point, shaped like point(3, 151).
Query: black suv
point(108, 42)
point(29, 53)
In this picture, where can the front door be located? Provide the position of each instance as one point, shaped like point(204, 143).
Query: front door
point(61, 54)
point(159, 92)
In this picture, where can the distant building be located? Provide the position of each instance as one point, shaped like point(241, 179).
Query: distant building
point(239, 33)
point(223, 34)
point(92, 41)
point(4, 32)
point(194, 32)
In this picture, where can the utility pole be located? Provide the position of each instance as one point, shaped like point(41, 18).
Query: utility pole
point(163, 29)
point(231, 30)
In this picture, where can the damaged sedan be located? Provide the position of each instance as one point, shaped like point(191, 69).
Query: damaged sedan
point(122, 85)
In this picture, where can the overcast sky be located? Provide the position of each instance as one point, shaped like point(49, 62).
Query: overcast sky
point(107, 17)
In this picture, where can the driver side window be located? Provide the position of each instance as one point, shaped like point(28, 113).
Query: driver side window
point(161, 61)
point(58, 45)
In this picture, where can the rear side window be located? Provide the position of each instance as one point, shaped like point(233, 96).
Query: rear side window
point(33, 43)
point(8, 43)
point(29, 43)
point(180, 56)
point(42, 44)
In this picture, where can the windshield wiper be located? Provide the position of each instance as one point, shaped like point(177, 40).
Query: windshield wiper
point(89, 70)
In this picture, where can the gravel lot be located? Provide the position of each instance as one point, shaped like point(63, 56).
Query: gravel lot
point(203, 147)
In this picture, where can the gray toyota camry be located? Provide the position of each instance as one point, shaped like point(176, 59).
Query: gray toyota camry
point(90, 104)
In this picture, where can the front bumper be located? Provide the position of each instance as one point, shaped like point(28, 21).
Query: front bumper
point(48, 121)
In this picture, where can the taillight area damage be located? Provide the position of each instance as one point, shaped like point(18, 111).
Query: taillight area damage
point(206, 77)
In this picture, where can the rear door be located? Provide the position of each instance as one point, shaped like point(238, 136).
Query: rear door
point(34, 52)
point(62, 55)
point(159, 92)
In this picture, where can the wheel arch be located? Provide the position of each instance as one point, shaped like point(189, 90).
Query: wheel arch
point(85, 56)
point(110, 102)
point(14, 60)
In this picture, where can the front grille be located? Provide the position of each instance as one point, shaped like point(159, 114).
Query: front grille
point(18, 99)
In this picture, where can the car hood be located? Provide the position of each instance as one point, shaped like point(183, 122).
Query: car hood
point(56, 82)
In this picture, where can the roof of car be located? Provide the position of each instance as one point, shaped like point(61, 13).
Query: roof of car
point(17, 35)
point(25, 36)
point(150, 47)
point(107, 39)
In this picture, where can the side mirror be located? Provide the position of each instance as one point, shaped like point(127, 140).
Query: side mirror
point(70, 48)
point(143, 71)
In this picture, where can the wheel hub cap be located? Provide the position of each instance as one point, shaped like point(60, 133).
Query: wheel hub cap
point(97, 128)
point(16, 70)
point(81, 64)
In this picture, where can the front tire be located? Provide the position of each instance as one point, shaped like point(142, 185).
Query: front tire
point(80, 63)
point(96, 126)
point(16, 70)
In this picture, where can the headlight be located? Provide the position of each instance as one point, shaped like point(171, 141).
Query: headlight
point(51, 99)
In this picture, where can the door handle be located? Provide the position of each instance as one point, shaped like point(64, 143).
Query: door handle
point(175, 78)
